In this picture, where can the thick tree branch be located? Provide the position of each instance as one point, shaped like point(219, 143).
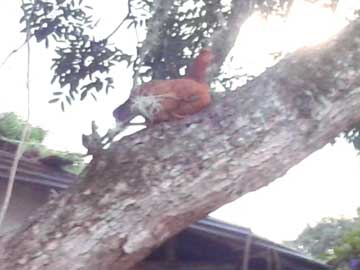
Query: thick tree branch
point(151, 185)
point(224, 40)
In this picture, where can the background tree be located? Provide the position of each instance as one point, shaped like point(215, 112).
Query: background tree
point(347, 253)
point(336, 241)
point(320, 240)
point(11, 127)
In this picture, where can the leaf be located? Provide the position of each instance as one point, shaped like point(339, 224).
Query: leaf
point(98, 85)
point(54, 100)
point(68, 99)
point(83, 94)
point(53, 78)
point(62, 106)
point(23, 18)
point(97, 22)
point(72, 95)
point(57, 93)
point(130, 24)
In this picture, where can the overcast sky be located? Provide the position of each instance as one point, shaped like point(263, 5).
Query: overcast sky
point(325, 184)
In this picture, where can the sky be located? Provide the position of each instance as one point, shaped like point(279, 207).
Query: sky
point(324, 184)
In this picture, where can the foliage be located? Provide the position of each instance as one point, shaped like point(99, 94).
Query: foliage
point(352, 135)
point(350, 246)
point(347, 253)
point(82, 61)
point(175, 31)
point(335, 240)
point(11, 127)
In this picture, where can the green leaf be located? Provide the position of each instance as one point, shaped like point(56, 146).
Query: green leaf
point(54, 100)
point(83, 94)
point(68, 99)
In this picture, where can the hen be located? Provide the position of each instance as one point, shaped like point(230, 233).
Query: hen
point(164, 100)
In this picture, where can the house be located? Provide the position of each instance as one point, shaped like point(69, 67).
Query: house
point(34, 183)
point(209, 244)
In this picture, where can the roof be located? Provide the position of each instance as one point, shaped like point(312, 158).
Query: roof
point(32, 171)
point(236, 234)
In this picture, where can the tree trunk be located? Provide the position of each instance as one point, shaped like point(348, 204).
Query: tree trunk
point(151, 185)
point(223, 41)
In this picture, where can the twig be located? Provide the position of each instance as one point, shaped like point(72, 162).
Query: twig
point(160, 15)
point(12, 53)
point(121, 23)
point(24, 135)
point(117, 27)
point(223, 39)
point(112, 133)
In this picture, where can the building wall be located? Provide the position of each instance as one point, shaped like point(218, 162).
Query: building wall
point(26, 198)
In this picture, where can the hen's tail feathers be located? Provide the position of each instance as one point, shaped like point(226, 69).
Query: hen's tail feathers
point(123, 113)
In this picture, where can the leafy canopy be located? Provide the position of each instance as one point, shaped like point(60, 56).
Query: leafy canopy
point(11, 127)
point(334, 240)
point(174, 30)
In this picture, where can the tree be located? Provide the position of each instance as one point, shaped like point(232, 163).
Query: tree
point(244, 141)
point(347, 253)
point(11, 127)
point(320, 241)
point(335, 241)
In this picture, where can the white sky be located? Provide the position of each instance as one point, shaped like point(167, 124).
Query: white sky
point(325, 184)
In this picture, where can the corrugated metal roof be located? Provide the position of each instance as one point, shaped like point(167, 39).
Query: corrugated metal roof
point(32, 171)
point(236, 233)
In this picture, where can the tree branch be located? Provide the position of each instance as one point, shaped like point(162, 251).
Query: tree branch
point(121, 23)
point(12, 53)
point(224, 40)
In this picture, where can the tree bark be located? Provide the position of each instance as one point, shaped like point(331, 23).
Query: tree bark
point(223, 41)
point(151, 185)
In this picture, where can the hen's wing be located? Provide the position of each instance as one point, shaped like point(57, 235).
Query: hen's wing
point(193, 97)
point(176, 98)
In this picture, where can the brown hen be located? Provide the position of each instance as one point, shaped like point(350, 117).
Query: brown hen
point(164, 100)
